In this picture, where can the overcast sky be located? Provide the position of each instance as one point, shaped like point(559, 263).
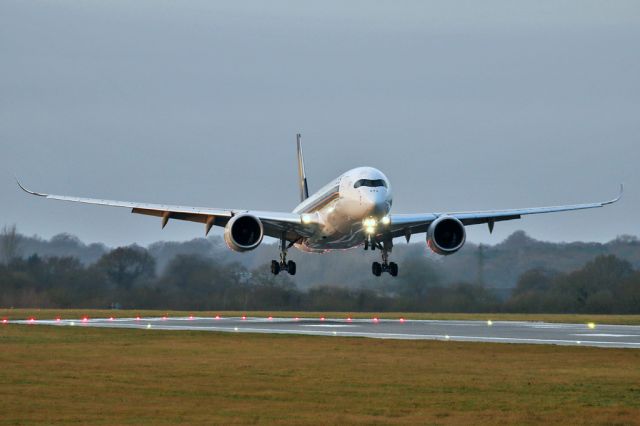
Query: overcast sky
point(464, 105)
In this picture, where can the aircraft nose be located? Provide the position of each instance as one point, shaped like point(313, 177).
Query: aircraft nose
point(375, 202)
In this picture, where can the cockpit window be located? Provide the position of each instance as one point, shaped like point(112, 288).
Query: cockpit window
point(370, 183)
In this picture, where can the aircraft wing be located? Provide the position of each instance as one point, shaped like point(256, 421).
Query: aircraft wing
point(275, 223)
point(407, 224)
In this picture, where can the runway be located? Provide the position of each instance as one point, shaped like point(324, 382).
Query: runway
point(610, 336)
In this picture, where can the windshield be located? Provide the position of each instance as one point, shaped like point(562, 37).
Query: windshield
point(370, 183)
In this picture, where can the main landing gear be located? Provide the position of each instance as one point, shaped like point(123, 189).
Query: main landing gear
point(283, 265)
point(378, 268)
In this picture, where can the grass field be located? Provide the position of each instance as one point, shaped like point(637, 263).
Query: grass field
point(93, 313)
point(60, 375)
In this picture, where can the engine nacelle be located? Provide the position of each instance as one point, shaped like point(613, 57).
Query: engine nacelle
point(243, 232)
point(446, 235)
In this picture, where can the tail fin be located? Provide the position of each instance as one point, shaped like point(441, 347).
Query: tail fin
point(302, 177)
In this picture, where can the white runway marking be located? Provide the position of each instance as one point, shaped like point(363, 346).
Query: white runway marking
point(327, 325)
point(606, 335)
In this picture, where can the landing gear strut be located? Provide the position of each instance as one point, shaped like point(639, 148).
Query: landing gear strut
point(283, 264)
point(378, 268)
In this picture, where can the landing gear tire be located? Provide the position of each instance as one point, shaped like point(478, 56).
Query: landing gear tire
point(376, 268)
point(393, 269)
point(291, 267)
point(275, 267)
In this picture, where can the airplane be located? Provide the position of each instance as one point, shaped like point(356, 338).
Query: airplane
point(352, 210)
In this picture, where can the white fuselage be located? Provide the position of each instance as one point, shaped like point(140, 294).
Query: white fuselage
point(340, 207)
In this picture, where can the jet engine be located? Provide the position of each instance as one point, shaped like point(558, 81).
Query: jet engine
point(243, 232)
point(446, 235)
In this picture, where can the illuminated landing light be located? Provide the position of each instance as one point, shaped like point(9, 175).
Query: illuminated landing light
point(72, 323)
point(148, 326)
point(137, 318)
point(370, 230)
point(446, 337)
point(85, 319)
point(307, 219)
point(270, 318)
point(32, 320)
point(190, 317)
point(164, 318)
point(578, 342)
point(385, 220)
point(235, 329)
point(591, 325)
point(349, 319)
point(244, 317)
point(401, 319)
point(489, 323)
point(335, 333)
point(321, 318)
point(217, 317)
point(375, 319)
point(111, 318)
point(297, 318)
point(4, 321)
point(369, 222)
point(58, 319)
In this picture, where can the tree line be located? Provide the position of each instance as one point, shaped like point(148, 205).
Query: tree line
point(128, 277)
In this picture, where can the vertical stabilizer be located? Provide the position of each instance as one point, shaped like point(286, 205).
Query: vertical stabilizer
point(302, 177)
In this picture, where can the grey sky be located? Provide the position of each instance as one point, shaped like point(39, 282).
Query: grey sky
point(464, 105)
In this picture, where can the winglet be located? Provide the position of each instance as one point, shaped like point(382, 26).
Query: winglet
point(617, 198)
point(27, 190)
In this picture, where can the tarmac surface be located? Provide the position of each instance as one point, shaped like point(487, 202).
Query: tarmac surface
point(612, 336)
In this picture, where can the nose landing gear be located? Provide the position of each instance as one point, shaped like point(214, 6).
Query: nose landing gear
point(283, 264)
point(378, 268)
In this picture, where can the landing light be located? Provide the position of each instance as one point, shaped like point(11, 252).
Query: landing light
point(306, 219)
point(591, 325)
point(370, 230)
point(385, 220)
point(369, 222)
point(4, 321)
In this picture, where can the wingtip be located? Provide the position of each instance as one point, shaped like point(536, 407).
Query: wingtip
point(28, 191)
point(620, 193)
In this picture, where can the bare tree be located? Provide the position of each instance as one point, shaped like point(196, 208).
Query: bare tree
point(9, 243)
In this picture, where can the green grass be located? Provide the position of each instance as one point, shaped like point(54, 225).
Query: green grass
point(94, 313)
point(60, 375)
